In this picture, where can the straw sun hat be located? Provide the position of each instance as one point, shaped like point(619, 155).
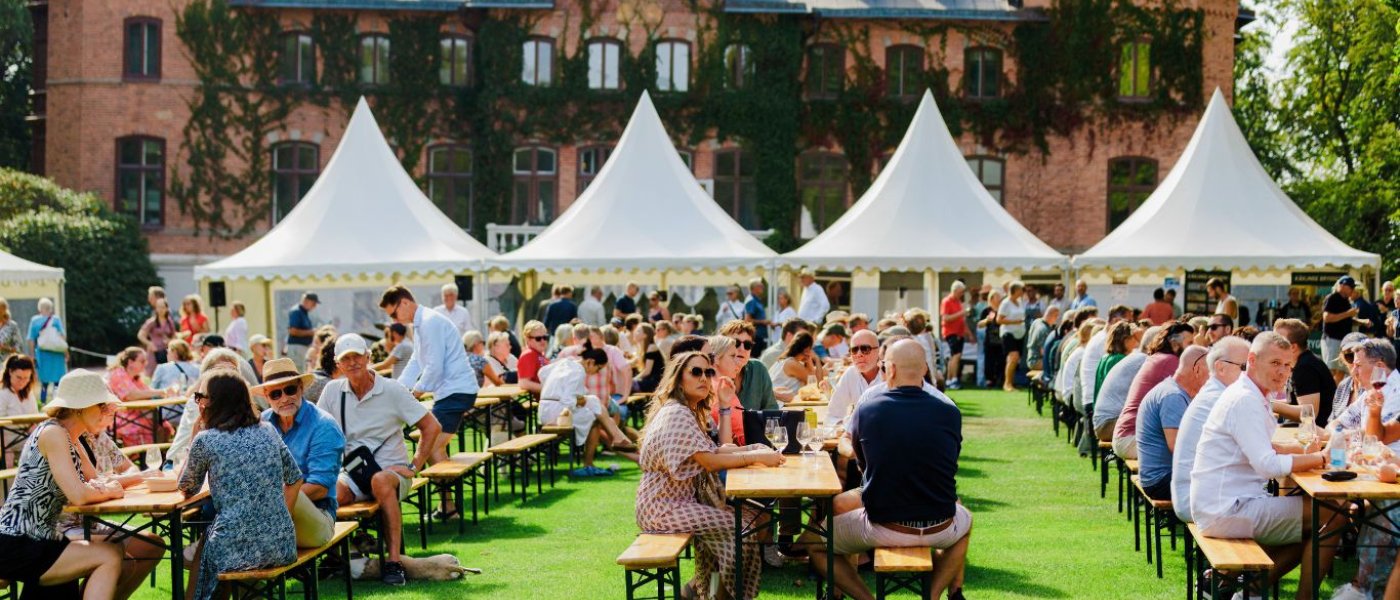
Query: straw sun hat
point(278, 372)
point(82, 389)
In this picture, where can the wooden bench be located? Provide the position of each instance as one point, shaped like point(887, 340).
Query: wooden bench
point(522, 453)
point(566, 436)
point(902, 569)
point(1033, 391)
point(654, 557)
point(1234, 556)
point(272, 582)
point(460, 470)
point(367, 514)
point(137, 453)
point(1159, 516)
point(1126, 469)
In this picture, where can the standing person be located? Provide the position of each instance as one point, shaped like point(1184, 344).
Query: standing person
point(757, 315)
point(1159, 422)
point(1057, 298)
point(1226, 362)
point(785, 310)
point(439, 367)
point(591, 311)
point(19, 394)
point(814, 304)
point(300, 328)
point(372, 412)
point(1368, 313)
point(1296, 308)
point(253, 482)
point(990, 358)
point(954, 317)
point(1011, 316)
point(1081, 296)
point(315, 442)
point(155, 334)
point(456, 312)
point(731, 309)
point(1037, 336)
point(1386, 302)
point(918, 321)
point(562, 310)
point(1338, 317)
point(11, 340)
point(193, 321)
point(1034, 306)
point(656, 309)
point(236, 334)
point(260, 348)
point(627, 304)
point(32, 550)
point(1158, 310)
point(1225, 304)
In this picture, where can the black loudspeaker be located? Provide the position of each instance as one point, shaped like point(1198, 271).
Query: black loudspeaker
point(464, 287)
point(216, 294)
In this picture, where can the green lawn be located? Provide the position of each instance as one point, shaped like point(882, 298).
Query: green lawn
point(1040, 530)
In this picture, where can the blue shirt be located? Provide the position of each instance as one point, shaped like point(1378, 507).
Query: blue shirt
point(439, 364)
point(299, 319)
point(754, 308)
point(1082, 301)
point(316, 444)
point(1162, 408)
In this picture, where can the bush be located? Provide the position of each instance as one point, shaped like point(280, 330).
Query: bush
point(104, 256)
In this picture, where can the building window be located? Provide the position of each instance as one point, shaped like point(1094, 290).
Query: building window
point(1135, 71)
point(826, 70)
point(295, 166)
point(672, 66)
point(537, 68)
point(590, 161)
point(603, 57)
point(738, 66)
point(688, 158)
point(534, 198)
point(735, 190)
point(141, 57)
point(904, 70)
point(991, 171)
point(982, 72)
point(456, 67)
point(298, 60)
point(1130, 181)
point(450, 182)
point(141, 179)
point(374, 60)
point(822, 187)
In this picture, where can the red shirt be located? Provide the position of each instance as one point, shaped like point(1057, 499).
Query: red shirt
point(1158, 312)
point(736, 420)
point(529, 365)
point(952, 306)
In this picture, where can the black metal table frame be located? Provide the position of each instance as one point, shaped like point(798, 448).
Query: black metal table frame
point(475, 478)
point(1364, 518)
point(486, 414)
point(169, 523)
point(157, 419)
point(770, 507)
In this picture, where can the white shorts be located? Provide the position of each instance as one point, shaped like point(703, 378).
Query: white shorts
point(1332, 353)
point(1125, 447)
point(1271, 521)
point(854, 533)
point(583, 416)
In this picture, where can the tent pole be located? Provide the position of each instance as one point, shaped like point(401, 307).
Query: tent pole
point(483, 285)
point(271, 316)
point(935, 307)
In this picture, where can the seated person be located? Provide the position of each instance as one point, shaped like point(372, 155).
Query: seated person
point(190, 424)
point(563, 388)
point(857, 378)
point(372, 411)
point(125, 382)
point(1113, 392)
point(1236, 458)
point(1159, 419)
point(1226, 362)
point(908, 444)
point(755, 387)
point(316, 444)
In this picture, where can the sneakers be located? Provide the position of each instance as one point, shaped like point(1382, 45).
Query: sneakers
point(1349, 592)
point(394, 574)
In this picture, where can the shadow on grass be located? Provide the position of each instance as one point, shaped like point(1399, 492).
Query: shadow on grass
point(496, 527)
point(983, 577)
point(982, 505)
point(549, 498)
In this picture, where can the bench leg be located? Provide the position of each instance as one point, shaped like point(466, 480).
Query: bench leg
point(425, 517)
point(1149, 516)
point(345, 568)
point(461, 494)
point(1137, 537)
point(1190, 565)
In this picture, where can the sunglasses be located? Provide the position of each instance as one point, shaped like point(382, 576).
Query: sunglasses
point(1231, 362)
point(707, 372)
point(1348, 356)
point(540, 338)
point(862, 349)
point(1215, 326)
point(288, 391)
point(745, 344)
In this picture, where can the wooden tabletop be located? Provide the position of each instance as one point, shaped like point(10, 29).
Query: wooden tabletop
point(139, 500)
point(499, 391)
point(23, 420)
point(802, 476)
point(1356, 489)
point(154, 403)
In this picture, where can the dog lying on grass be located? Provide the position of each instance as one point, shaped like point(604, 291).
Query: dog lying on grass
point(443, 567)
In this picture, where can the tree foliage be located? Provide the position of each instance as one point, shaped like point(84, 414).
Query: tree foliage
point(16, 65)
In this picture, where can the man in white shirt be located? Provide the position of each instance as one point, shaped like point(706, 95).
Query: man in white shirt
point(591, 310)
point(731, 309)
point(1226, 361)
point(236, 335)
point(863, 372)
point(459, 315)
point(814, 301)
point(1236, 458)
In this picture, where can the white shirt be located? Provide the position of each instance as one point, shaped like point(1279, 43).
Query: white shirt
point(236, 335)
point(1187, 439)
point(814, 304)
point(563, 380)
point(11, 405)
point(591, 312)
point(1089, 366)
point(776, 330)
point(1015, 312)
point(459, 315)
point(729, 310)
point(925, 339)
point(375, 421)
point(439, 363)
point(1235, 457)
point(1067, 381)
point(849, 389)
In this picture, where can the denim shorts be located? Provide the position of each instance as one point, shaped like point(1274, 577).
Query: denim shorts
point(450, 409)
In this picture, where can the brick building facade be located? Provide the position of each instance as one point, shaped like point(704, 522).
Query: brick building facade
point(113, 84)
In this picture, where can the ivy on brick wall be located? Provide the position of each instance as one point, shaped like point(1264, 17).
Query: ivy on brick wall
point(1066, 79)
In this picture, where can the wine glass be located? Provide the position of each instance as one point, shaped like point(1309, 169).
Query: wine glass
point(1307, 415)
point(1370, 455)
point(770, 428)
point(1307, 432)
point(804, 435)
point(779, 438)
point(812, 381)
point(1379, 376)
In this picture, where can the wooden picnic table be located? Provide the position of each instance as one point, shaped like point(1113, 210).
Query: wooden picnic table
point(802, 476)
point(165, 510)
point(1338, 496)
point(14, 429)
point(153, 406)
point(499, 391)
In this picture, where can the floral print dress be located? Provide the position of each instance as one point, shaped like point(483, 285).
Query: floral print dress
point(247, 469)
point(677, 495)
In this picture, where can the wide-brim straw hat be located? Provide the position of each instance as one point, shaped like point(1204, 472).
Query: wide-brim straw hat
point(278, 372)
point(82, 389)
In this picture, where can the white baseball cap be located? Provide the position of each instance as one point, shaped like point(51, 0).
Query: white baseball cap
point(350, 343)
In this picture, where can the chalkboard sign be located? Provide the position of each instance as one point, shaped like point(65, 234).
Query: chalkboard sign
point(1197, 300)
point(1323, 280)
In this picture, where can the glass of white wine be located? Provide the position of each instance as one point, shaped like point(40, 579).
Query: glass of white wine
point(1306, 434)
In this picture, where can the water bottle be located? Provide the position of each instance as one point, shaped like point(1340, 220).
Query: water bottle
point(1337, 449)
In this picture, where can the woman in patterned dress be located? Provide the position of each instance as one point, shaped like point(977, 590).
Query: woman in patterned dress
point(50, 475)
point(253, 481)
point(11, 340)
point(680, 491)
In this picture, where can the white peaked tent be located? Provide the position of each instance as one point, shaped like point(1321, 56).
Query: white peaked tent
point(643, 212)
point(364, 224)
point(1219, 210)
point(927, 212)
point(23, 279)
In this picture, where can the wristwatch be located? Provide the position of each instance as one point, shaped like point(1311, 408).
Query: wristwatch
point(725, 411)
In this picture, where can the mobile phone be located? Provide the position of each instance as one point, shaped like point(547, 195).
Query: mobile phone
point(1339, 475)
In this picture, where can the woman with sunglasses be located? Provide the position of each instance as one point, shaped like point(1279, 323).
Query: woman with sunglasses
point(680, 491)
point(1347, 392)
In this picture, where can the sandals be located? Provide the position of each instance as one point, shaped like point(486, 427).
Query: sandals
point(440, 515)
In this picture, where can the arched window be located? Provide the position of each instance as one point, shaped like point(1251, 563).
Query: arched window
point(604, 56)
point(672, 66)
point(297, 63)
point(904, 71)
point(991, 171)
point(1135, 71)
point(535, 195)
point(822, 186)
point(735, 189)
point(141, 179)
point(141, 53)
point(1131, 180)
point(590, 161)
point(537, 66)
point(738, 66)
point(295, 167)
point(374, 59)
point(455, 69)
point(982, 72)
point(450, 182)
point(826, 70)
